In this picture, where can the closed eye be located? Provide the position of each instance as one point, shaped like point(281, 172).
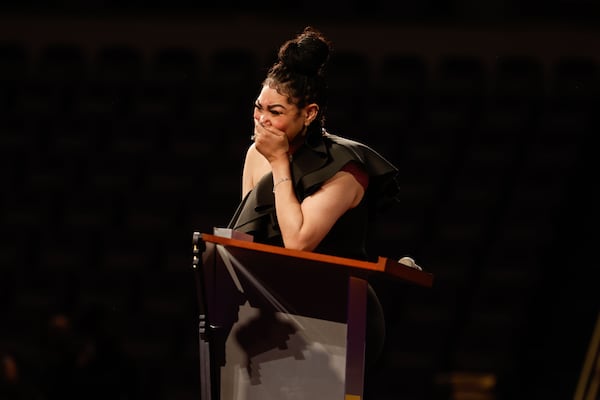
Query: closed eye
point(273, 109)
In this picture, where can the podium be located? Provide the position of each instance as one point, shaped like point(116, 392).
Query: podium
point(279, 324)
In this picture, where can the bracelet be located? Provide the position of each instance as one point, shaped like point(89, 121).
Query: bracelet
point(280, 181)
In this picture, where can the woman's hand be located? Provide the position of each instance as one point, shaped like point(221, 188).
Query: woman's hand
point(271, 142)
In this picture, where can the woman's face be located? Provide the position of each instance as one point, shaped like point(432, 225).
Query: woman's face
point(273, 109)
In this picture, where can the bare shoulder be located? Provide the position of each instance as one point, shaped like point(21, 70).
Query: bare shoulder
point(252, 154)
point(255, 167)
point(255, 161)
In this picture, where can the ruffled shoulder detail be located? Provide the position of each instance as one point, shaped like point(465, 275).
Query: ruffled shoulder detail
point(313, 164)
point(319, 162)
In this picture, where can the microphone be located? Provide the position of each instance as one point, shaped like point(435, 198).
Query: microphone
point(409, 262)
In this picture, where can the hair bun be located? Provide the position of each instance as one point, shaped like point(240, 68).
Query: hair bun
point(306, 54)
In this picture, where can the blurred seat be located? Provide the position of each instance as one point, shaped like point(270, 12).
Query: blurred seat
point(49, 171)
point(77, 141)
point(536, 193)
point(233, 77)
point(402, 74)
point(394, 106)
point(55, 79)
point(460, 77)
point(67, 250)
point(44, 292)
point(153, 217)
point(128, 252)
point(519, 75)
point(37, 98)
point(139, 137)
point(152, 340)
point(575, 85)
point(98, 101)
point(14, 60)
point(119, 64)
point(486, 166)
point(349, 77)
point(192, 140)
point(487, 342)
point(11, 252)
point(512, 264)
point(519, 81)
point(172, 74)
point(168, 293)
point(230, 88)
point(90, 214)
point(170, 175)
point(14, 71)
point(177, 255)
point(427, 161)
point(108, 290)
point(18, 143)
point(115, 175)
point(117, 70)
point(153, 100)
point(455, 97)
point(176, 66)
point(574, 75)
point(62, 63)
point(51, 178)
point(502, 128)
point(539, 190)
point(455, 242)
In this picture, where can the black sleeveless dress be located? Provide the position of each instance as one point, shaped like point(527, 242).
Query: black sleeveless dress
point(315, 162)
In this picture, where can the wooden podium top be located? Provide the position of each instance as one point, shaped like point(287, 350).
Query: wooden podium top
point(356, 267)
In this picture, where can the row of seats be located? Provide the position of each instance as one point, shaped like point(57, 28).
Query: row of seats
point(70, 63)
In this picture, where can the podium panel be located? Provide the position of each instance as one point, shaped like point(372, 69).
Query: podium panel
point(283, 324)
point(283, 356)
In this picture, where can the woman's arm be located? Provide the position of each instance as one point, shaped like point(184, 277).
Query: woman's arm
point(304, 225)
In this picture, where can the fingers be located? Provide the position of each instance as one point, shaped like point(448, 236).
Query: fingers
point(261, 130)
point(255, 133)
point(268, 134)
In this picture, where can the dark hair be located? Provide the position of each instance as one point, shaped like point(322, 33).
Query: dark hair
point(299, 71)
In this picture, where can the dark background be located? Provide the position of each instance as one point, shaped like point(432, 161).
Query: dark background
point(123, 126)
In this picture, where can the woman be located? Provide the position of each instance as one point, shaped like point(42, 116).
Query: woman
point(302, 187)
